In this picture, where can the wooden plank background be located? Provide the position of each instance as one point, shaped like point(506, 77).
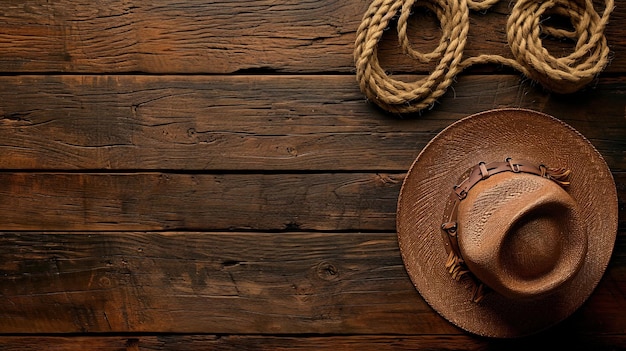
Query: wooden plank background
point(188, 175)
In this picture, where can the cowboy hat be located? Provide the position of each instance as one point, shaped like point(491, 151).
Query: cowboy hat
point(506, 222)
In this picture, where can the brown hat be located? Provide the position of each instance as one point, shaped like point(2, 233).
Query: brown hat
point(506, 222)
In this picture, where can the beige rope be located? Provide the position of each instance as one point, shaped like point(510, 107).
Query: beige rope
point(559, 74)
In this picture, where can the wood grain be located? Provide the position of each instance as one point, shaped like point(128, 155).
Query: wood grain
point(158, 201)
point(194, 36)
point(164, 201)
point(190, 175)
point(571, 341)
point(259, 122)
point(235, 283)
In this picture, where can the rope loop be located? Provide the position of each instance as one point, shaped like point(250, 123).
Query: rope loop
point(524, 35)
point(569, 73)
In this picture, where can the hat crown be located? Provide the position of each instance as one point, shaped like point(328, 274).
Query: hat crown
point(521, 234)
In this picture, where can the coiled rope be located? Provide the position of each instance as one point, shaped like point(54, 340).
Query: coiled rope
point(559, 74)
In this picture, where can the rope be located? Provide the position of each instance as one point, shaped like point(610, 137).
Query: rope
point(560, 74)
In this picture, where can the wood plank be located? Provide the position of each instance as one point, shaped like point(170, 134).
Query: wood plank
point(236, 283)
point(168, 201)
point(570, 341)
point(157, 201)
point(74, 343)
point(204, 282)
point(195, 36)
point(259, 122)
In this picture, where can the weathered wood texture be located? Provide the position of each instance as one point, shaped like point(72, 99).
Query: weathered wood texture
point(158, 201)
point(568, 341)
point(197, 36)
point(191, 175)
point(235, 283)
point(259, 122)
point(163, 201)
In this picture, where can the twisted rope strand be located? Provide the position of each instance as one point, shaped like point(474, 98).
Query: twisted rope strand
point(524, 29)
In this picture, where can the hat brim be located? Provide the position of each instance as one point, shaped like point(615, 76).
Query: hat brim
point(493, 136)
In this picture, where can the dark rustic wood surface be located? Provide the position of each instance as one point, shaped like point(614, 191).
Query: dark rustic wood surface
point(188, 175)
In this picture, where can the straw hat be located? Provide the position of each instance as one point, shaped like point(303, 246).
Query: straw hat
point(506, 222)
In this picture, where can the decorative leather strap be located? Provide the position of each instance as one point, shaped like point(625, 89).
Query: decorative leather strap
point(455, 263)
